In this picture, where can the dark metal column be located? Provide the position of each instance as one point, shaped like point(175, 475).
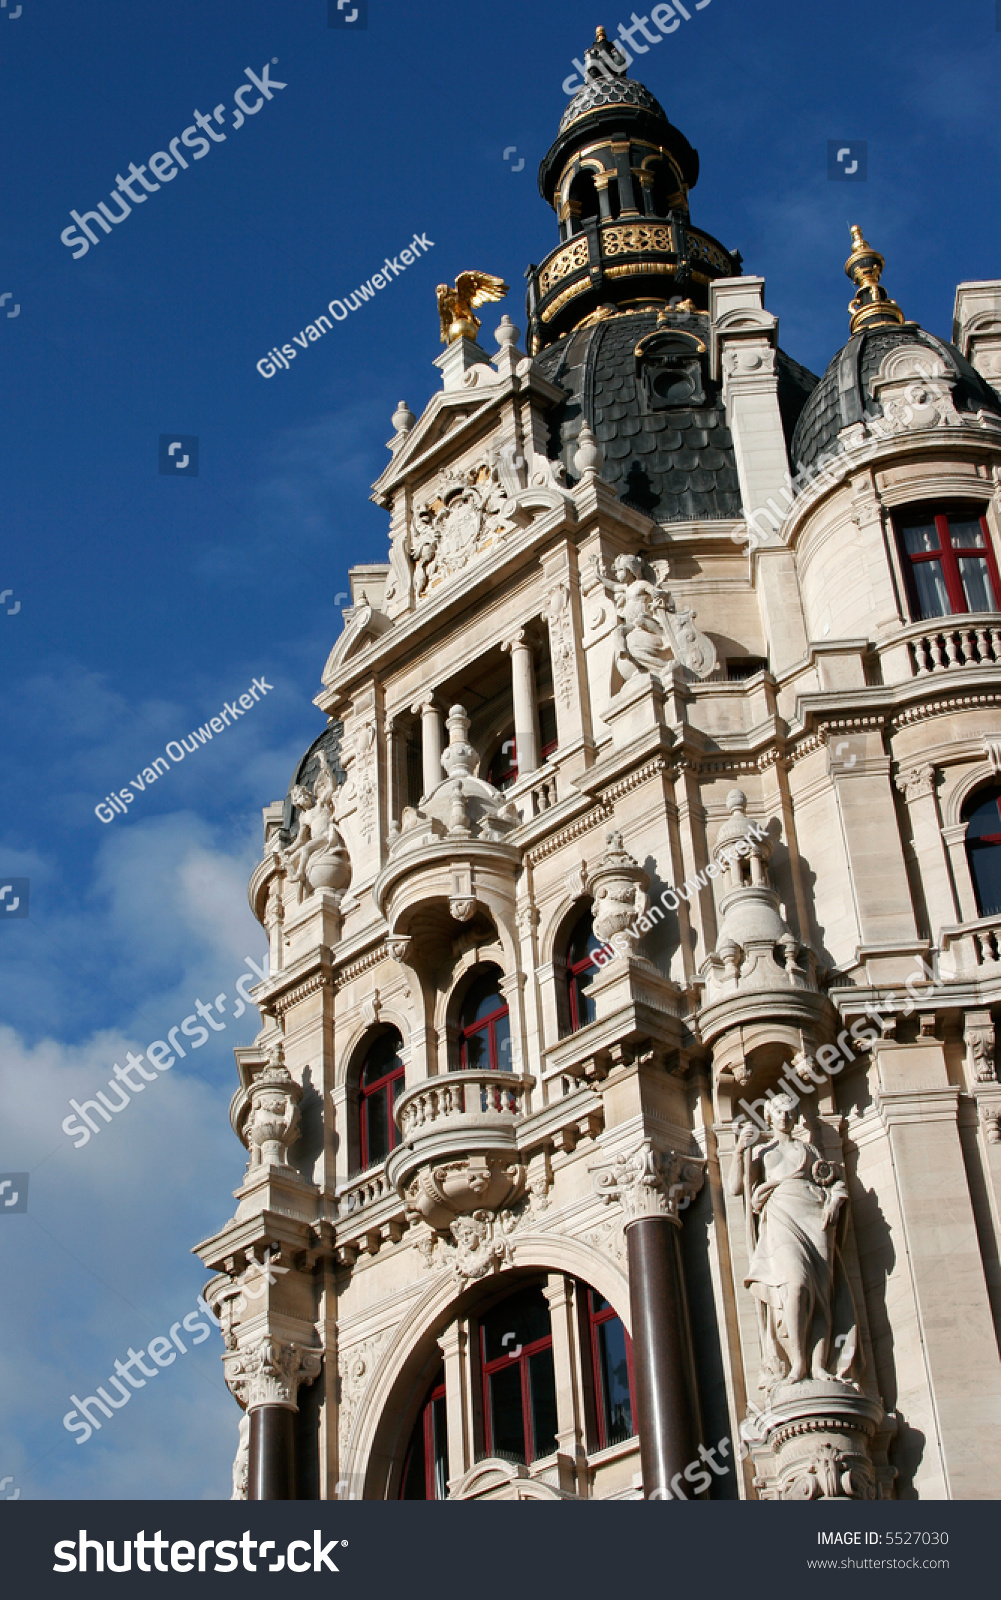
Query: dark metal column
point(271, 1474)
point(653, 1187)
point(661, 1365)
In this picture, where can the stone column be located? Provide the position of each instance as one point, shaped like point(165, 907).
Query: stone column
point(432, 741)
point(265, 1378)
point(526, 723)
point(917, 785)
point(651, 1188)
point(454, 1346)
point(572, 1457)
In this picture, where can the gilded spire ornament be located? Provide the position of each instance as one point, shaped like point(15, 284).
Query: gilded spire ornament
point(455, 306)
point(872, 306)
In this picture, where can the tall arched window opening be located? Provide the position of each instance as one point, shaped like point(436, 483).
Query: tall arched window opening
point(982, 815)
point(379, 1087)
point(580, 972)
point(484, 1027)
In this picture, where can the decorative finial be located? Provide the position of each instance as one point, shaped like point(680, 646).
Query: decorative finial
point(872, 306)
point(455, 306)
point(403, 418)
point(604, 59)
point(589, 458)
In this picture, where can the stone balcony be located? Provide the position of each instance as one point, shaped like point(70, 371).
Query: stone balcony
point(942, 644)
point(459, 1143)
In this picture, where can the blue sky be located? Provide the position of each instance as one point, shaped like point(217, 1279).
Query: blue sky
point(147, 602)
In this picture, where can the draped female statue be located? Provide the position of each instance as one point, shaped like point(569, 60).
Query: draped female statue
point(795, 1209)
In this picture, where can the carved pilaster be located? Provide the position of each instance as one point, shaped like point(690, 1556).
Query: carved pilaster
point(978, 1036)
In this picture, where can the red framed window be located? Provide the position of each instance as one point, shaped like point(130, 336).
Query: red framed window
point(519, 1379)
point(379, 1088)
point(485, 1030)
point(612, 1361)
point(580, 971)
point(425, 1468)
point(982, 815)
point(949, 563)
point(504, 766)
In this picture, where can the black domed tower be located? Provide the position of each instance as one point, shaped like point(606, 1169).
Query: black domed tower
point(618, 177)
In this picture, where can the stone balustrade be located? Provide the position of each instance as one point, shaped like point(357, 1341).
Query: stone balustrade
point(363, 1190)
point(457, 1100)
point(967, 646)
point(970, 946)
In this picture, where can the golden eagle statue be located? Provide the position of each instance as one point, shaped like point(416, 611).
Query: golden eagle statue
point(455, 306)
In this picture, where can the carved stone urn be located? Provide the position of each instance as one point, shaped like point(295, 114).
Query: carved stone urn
point(330, 868)
point(619, 885)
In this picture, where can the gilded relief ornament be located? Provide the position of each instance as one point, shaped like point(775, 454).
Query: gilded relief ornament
point(455, 306)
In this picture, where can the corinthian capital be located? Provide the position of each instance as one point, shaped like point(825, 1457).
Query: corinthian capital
point(916, 782)
point(269, 1373)
point(650, 1183)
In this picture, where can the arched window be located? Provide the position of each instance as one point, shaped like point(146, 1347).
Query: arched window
point(612, 1362)
point(584, 193)
point(580, 971)
point(982, 815)
point(484, 1028)
point(425, 1468)
point(519, 1379)
point(380, 1086)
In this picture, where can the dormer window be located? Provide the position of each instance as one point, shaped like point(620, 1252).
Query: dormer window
point(949, 565)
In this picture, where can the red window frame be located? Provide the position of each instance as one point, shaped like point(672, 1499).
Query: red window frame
point(489, 1025)
point(575, 970)
point(504, 1363)
point(427, 1435)
point(946, 556)
point(366, 1092)
point(608, 1313)
point(977, 842)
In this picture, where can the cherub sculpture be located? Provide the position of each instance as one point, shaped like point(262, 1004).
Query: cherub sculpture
point(651, 632)
point(317, 836)
point(455, 306)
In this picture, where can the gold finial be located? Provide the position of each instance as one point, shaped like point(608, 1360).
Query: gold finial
point(872, 306)
point(455, 306)
point(600, 35)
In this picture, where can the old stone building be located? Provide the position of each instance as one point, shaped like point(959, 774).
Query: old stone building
point(625, 1117)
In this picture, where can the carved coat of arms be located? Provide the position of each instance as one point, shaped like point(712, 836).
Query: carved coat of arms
point(465, 517)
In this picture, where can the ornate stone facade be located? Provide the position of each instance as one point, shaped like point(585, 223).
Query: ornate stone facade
point(783, 1048)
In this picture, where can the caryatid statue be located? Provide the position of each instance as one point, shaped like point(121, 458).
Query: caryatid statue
point(796, 1210)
